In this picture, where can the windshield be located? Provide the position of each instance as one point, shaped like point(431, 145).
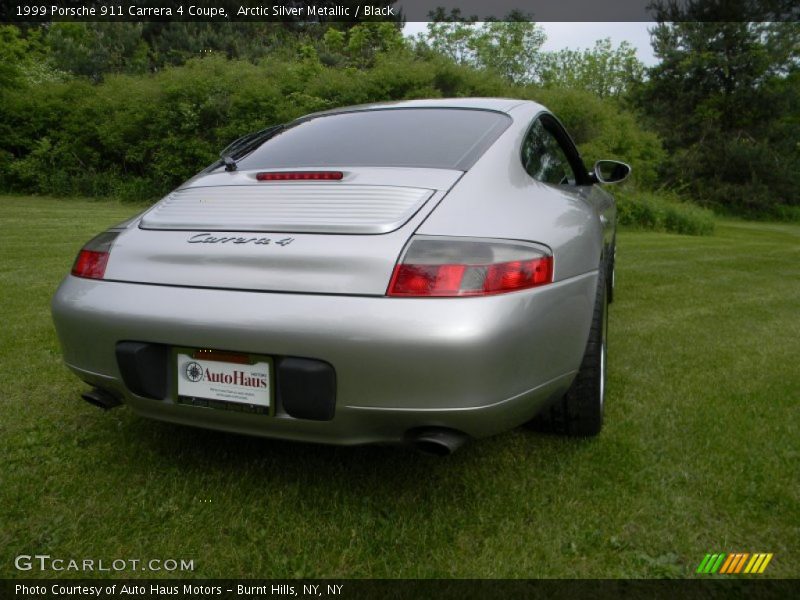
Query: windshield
point(419, 137)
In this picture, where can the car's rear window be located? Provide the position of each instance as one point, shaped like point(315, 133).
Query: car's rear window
point(419, 137)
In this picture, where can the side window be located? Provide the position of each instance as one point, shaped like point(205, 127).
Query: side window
point(543, 158)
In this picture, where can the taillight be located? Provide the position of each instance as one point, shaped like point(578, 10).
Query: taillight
point(438, 266)
point(299, 176)
point(93, 257)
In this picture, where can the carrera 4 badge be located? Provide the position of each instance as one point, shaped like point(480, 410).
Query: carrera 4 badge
point(207, 238)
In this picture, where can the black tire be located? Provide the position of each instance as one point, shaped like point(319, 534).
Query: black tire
point(579, 413)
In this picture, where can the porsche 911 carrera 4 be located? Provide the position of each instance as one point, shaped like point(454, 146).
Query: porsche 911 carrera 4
point(419, 272)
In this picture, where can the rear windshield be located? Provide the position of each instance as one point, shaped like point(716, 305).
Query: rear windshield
point(418, 137)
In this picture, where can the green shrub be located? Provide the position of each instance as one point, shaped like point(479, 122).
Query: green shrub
point(787, 213)
point(662, 211)
point(138, 136)
point(745, 177)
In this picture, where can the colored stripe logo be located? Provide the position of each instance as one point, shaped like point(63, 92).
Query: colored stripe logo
point(734, 563)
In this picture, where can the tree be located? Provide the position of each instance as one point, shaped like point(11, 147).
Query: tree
point(23, 58)
point(510, 48)
point(13, 49)
point(93, 49)
point(714, 96)
point(603, 70)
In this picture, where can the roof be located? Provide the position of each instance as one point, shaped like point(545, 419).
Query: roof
point(497, 104)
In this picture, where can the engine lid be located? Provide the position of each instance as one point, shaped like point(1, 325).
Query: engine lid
point(327, 237)
point(296, 207)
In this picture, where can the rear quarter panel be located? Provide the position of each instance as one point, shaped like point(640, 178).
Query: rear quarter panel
point(497, 198)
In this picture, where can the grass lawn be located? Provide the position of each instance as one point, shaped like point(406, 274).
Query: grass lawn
point(700, 451)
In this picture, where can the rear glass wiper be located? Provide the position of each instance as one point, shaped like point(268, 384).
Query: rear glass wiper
point(246, 144)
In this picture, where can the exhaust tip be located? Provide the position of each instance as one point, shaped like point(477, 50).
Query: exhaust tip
point(437, 441)
point(101, 399)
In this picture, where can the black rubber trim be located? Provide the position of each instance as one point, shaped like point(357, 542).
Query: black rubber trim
point(307, 388)
point(144, 368)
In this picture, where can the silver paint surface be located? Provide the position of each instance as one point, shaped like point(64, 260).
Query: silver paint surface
point(480, 365)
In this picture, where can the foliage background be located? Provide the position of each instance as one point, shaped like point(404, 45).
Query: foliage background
point(133, 109)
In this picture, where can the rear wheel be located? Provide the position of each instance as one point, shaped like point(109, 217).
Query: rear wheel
point(579, 413)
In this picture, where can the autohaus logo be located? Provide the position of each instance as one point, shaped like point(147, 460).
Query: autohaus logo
point(194, 372)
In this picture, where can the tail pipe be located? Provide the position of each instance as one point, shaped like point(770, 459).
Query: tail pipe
point(101, 398)
point(437, 441)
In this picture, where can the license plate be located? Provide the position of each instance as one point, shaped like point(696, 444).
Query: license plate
point(224, 380)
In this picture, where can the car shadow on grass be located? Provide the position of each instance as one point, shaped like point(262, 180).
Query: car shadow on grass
point(270, 462)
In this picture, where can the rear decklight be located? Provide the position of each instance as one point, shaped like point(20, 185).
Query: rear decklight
point(437, 266)
point(93, 257)
point(300, 176)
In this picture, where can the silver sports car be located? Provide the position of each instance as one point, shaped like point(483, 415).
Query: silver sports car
point(422, 272)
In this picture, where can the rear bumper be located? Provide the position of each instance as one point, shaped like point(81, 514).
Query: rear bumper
point(478, 365)
point(352, 425)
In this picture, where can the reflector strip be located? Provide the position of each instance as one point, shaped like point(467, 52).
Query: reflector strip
point(221, 356)
point(90, 264)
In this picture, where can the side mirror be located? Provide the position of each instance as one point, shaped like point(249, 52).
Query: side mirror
point(610, 171)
